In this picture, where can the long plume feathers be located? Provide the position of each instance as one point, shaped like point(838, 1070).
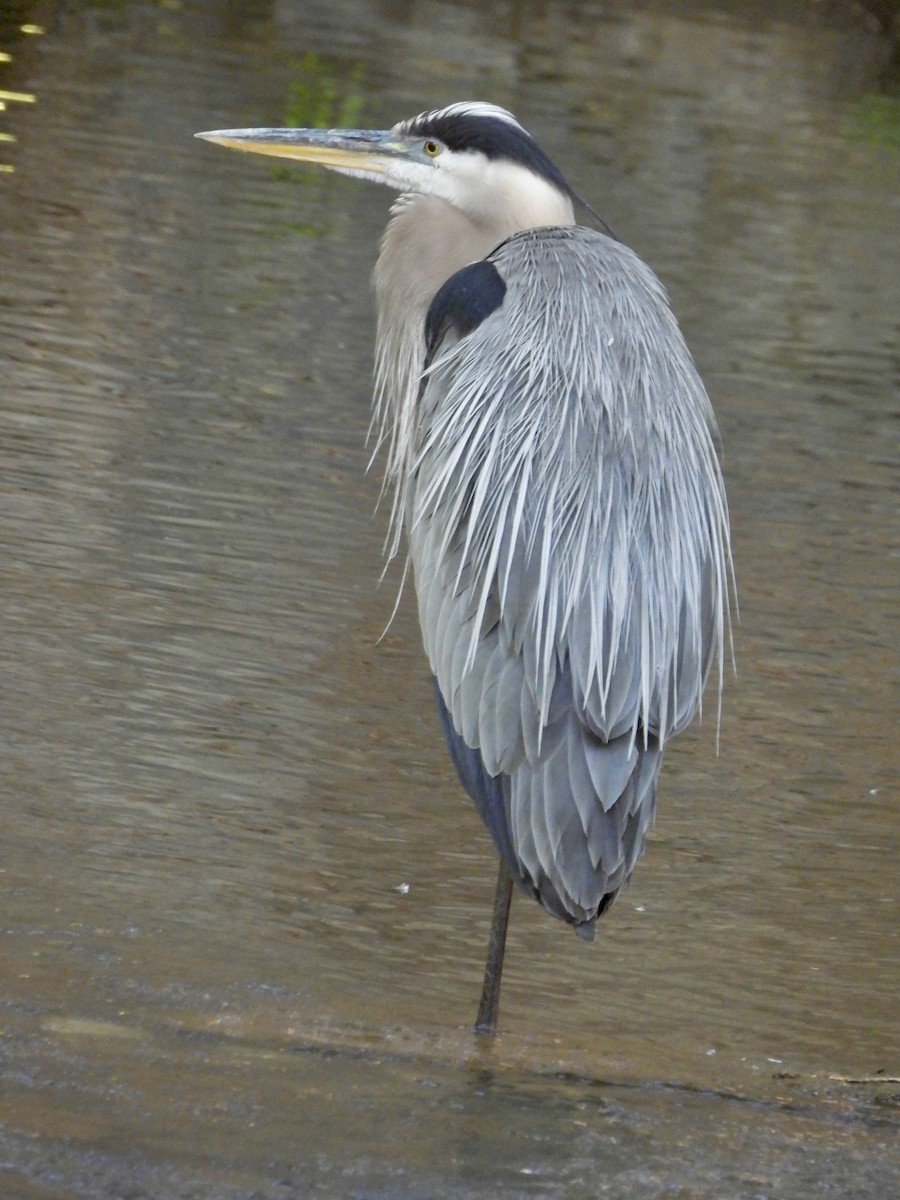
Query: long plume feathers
point(565, 449)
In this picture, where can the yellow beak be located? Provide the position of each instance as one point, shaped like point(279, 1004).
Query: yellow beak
point(359, 151)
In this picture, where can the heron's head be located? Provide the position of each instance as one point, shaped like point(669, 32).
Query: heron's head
point(475, 156)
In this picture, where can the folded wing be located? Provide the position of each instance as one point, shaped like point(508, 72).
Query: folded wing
point(569, 538)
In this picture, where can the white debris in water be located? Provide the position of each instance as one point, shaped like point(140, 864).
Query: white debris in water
point(402, 888)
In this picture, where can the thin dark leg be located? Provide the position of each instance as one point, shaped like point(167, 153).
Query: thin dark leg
point(490, 993)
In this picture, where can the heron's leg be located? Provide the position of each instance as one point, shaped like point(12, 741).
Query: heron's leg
point(493, 969)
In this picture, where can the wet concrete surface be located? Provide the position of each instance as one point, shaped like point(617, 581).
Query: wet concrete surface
point(244, 905)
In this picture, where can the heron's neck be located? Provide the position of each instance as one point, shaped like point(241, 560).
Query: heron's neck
point(425, 242)
point(428, 239)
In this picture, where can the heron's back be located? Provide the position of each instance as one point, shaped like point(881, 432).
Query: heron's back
point(569, 536)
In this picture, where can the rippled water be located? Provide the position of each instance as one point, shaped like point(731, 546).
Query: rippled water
point(244, 904)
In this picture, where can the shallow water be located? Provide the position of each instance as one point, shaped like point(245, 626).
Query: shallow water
point(244, 904)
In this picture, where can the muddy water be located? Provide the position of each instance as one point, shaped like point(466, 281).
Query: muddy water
point(243, 903)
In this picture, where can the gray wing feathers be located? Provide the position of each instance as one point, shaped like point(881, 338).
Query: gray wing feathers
point(501, 739)
point(569, 537)
point(565, 833)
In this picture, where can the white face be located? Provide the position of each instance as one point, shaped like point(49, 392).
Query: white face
point(486, 189)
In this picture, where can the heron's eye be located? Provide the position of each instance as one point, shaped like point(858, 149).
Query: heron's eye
point(432, 149)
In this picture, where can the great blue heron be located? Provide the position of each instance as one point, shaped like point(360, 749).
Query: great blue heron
point(551, 448)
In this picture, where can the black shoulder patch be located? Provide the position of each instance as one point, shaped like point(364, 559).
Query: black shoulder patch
point(463, 302)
